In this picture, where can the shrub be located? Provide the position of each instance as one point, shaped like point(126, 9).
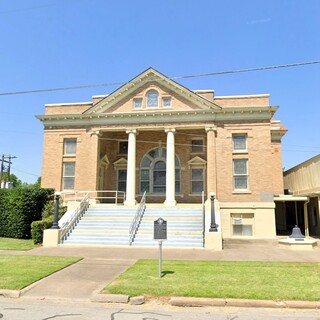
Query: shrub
point(37, 228)
point(19, 207)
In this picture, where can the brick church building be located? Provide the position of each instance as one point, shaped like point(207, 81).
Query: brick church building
point(178, 145)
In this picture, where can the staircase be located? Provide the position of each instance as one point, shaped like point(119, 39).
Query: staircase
point(184, 227)
point(105, 225)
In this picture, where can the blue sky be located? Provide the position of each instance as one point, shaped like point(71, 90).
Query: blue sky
point(64, 43)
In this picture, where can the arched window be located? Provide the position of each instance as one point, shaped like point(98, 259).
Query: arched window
point(153, 172)
point(152, 99)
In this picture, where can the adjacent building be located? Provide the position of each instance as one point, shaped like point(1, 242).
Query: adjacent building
point(303, 180)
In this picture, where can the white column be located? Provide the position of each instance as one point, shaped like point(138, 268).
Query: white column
point(131, 169)
point(211, 161)
point(170, 169)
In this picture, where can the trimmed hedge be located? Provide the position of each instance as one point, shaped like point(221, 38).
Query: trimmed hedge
point(37, 227)
point(19, 207)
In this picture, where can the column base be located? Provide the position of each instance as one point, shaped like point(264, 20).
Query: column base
point(170, 203)
point(130, 203)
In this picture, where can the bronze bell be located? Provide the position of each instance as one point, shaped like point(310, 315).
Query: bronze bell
point(296, 233)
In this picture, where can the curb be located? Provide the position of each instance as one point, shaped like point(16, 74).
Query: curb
point(117, 298)
point(186, 301)
point(10, 293)
point(212, 302)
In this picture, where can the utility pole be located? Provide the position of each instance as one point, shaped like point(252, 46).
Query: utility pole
point(2, 168)
point(3, 161)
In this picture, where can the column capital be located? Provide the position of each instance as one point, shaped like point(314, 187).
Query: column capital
point(173, 130)
point(212, 128)
point(95, 133)
point(132, 131)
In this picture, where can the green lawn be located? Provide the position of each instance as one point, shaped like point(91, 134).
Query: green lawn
point(221, 279)
point(16, 244)
point(19, 271)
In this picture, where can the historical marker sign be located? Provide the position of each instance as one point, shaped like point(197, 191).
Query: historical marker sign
point(160, 229)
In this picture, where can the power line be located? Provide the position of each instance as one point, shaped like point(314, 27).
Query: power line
point(29, 173)
point(110, 84)
point(298, 64)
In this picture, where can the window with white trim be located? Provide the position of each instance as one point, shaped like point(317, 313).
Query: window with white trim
point(239, 142)
point(68, 175)
point(242, 224)
point(153, 172)
point(137, 103)
point(197, 185)
point(240, 174)
point(197, 146)
point(166, 102)
point(123, 147)
point(122, 179)
point(152, 99)
point(69, 146)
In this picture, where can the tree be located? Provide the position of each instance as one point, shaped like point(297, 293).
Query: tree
point(13, 178)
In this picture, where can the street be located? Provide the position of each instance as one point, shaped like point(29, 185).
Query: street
point(30, 309)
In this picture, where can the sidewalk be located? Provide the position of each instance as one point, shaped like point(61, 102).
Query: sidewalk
point(103, 264)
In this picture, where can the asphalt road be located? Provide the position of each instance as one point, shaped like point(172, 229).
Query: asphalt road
point(30, 309)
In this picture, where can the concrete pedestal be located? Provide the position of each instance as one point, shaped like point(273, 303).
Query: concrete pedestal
point(51, 237)
point(213, 241)
point(305, 244)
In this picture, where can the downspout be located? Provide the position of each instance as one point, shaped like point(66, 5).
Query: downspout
point(306, 221)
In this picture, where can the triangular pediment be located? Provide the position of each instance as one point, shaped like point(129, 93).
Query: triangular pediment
point(122, 162)
point(104, 160)
point(121, 100)
point(196, 161)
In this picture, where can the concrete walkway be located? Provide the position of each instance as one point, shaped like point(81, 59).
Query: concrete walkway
point(102, 264)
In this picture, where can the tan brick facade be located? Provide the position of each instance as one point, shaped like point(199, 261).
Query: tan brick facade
point(100, 126)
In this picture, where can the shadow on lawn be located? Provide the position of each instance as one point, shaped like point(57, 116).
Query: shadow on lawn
point(164, 273)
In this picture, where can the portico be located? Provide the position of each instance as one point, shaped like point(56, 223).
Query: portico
point(156, 161)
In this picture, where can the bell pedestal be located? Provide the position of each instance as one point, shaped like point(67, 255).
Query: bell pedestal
point(303, 244)
point(297, 241)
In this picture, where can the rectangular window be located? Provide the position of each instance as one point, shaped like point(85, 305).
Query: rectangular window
point(68, 175)
point(197, 180)
point(70, 146)
point(240, 174)
point(166, 102)
point(239, 142)
point(137, 103)
point(122, 179)
point(123, 147)
point(242, 225)
point(197, 146)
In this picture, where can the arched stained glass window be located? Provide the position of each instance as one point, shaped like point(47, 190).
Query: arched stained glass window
point(153, 172)
point(152, 99)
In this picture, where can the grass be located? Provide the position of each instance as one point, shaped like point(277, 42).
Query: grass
point(19, 271)
point(16, 244)
point(221, 279)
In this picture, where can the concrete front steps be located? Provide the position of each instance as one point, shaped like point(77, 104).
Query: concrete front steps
point(104, 225)
point(184, 227)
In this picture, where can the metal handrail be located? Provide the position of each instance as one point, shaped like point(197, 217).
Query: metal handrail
point(137, 218)
point(203, 219)
point(94, 194)
point(75, 217)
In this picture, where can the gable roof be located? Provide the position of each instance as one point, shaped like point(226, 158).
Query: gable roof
point(150, 75)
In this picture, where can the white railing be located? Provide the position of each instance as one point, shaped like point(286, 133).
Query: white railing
point(137, 218)
point(74, 218)
point(203, 218)
point(99, 196)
